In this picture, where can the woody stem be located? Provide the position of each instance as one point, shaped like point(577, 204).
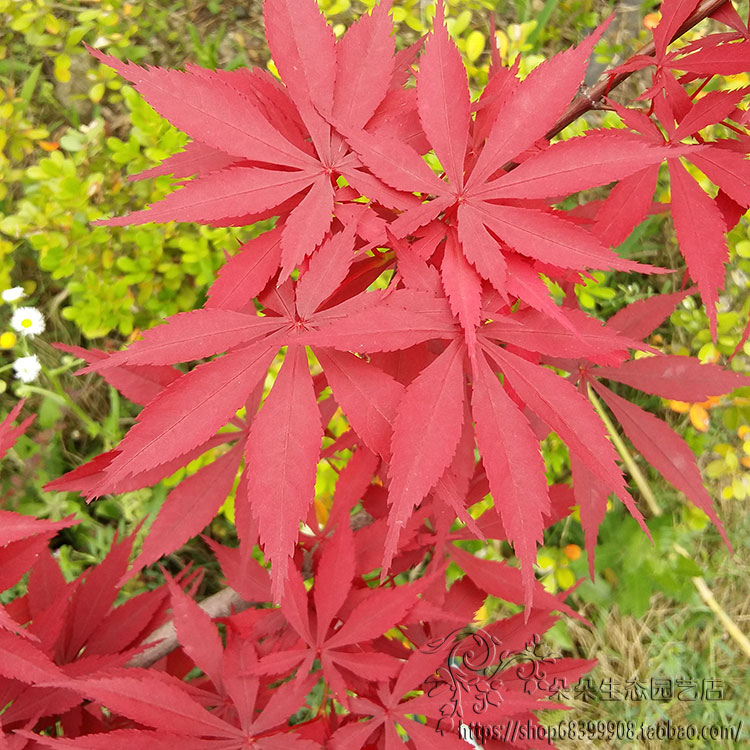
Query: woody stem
point(708, 597)
point(594, 94)
point(626, 456)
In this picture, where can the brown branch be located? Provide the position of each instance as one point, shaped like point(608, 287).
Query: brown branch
point(164, 639)
point(220, 604)
point(594, 94)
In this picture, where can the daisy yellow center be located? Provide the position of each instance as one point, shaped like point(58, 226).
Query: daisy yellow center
point(27, 323)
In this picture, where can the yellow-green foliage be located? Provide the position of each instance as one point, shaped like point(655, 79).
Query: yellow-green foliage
point(468, 24)
point(57, 178)
point(117, 279)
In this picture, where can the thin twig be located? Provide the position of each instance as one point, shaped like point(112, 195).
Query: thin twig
point(626, 456)
point(220, 604)
point(708, 597)
point(589, 98)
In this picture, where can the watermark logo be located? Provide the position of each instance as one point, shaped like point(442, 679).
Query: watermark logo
point(479, 668)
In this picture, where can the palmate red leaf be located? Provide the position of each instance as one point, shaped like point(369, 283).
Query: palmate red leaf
point(701, 233)
point(515, 468)
point(666, 451)
point(282, 454)
point(426, 432)
point(443, 100)
point(364, 66)
point(533, 107)
point(189, 336)
point(233, 193)
point(211, 112)
point(189, 508)
point(8, 434)
point(571, 416)
point(156, 702)
point(195, 159)
point(191, 410)
point(245, 274)
point(673, 377)
point(263, 148)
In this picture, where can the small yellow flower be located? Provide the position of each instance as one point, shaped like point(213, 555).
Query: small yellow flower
point(699, 417)
point(322, 510)
point(8, 340)
point(681, 407)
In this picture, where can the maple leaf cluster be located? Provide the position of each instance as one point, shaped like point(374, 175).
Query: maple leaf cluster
point(405, 285)
point(68, 676)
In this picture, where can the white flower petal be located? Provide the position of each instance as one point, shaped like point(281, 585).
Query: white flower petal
point(28, 321)
point(12, 294)
point(27, 368)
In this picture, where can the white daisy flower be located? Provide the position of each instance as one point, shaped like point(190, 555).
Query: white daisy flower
point(28, 321)
point(27, 368)
point(13, 294)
